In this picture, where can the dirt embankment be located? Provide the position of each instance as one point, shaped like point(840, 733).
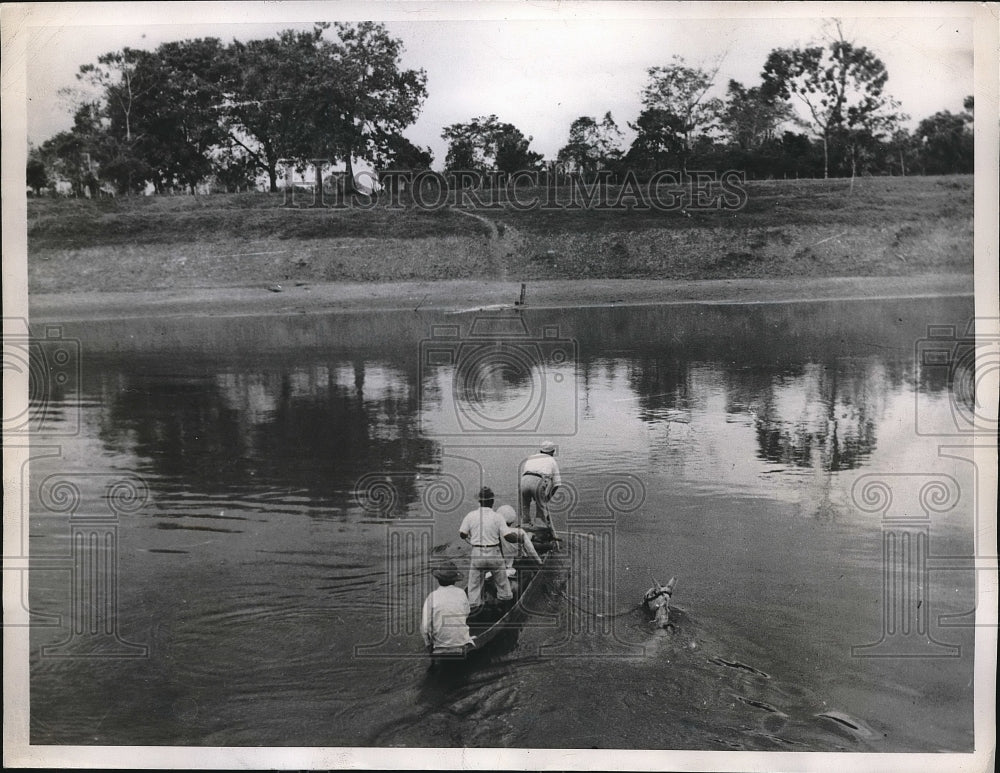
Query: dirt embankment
point(877, 227)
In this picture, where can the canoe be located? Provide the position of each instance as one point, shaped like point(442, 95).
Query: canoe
point(486, 623)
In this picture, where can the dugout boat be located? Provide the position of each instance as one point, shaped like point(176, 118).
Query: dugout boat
point(494, 618)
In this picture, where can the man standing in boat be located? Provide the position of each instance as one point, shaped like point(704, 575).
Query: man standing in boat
point(484, 528)
point(539, 481)
point(443, 622)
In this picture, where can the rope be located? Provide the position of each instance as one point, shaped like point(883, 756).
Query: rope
point(629, 611)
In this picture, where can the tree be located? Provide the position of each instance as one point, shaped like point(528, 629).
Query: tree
point(158, 114)
point(377, 99)
point(177, 119)
point(592, 146)
point(484, 144)
point(901, 152)
point(117, 75)
point(265, 113)
point(751, 117)
point(946, 143)
point(676, 100)
point(398, 153)
point(302, 97)
point(658, 141)
point(76, 155)
point(234, 170)
point(841, 87)
point(36, 175)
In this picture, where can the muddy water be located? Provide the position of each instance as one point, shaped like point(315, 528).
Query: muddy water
point(231, 521)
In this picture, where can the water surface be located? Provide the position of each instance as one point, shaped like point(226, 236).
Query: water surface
point(282, 482)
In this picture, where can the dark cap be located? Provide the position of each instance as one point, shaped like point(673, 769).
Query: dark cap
point(485, 494)
point(446, 571)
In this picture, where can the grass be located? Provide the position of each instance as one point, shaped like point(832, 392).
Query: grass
point(880, 226)
point(81, 223)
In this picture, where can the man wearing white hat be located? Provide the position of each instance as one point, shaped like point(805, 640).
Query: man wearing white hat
point(539, 481)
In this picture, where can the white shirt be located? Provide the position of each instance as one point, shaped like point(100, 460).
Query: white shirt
point(524, 547)
point(442, 623)
point(484, 526)
point(544, 465)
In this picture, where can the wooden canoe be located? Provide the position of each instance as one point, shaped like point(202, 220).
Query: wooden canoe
point(490, 620)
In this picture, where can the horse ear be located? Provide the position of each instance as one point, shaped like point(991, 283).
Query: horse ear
point(670, 585)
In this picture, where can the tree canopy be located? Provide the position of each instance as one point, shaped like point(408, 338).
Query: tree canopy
point(192, 108)
point(592, 145)
point(841, 86)
point(485, 144)
point(196, 110)
point(676, 108)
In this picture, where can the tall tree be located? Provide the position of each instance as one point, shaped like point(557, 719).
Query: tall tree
point(485, 144)
point(377, 98)
point(677, 96)
point(752, 116)
point(178, 117)
point(118, 75)
point(303, 97)
point(841, 87)
point(592, 146)
point(105, 127)
point(266, 112)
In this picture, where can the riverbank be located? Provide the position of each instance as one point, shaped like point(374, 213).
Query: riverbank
point(471, 295)
point(873, 227)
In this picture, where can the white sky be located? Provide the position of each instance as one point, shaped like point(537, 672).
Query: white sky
point(536, 65)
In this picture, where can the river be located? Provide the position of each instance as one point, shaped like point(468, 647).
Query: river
point(231, 521)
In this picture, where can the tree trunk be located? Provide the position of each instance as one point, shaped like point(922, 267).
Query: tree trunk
point(348, 175)
point(272, 177)
point(318, 186)
point(826, 158)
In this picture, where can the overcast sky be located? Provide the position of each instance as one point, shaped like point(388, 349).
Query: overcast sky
point(536, 65)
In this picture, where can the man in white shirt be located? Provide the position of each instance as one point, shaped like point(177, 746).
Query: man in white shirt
point(526, 546)
point(443, 622)
point(484, 530)
point(539, 481)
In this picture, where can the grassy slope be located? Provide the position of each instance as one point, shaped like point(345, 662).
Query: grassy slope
point(884, 226)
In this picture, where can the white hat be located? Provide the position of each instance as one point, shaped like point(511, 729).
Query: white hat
point(508, 513)
point(548, 447)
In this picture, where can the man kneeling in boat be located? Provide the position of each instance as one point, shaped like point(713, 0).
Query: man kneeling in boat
point(526, 546)
point(483, 528)
point(442, 623)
